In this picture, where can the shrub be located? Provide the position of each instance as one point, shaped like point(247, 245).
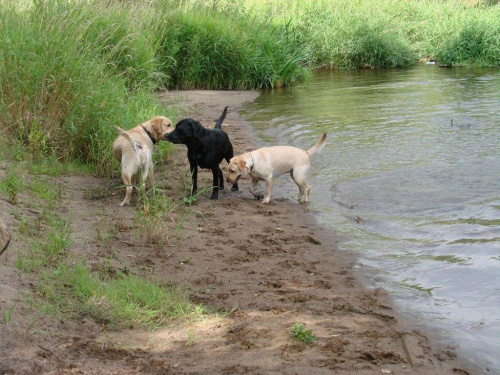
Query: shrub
point(220, 52)
point(477, 43)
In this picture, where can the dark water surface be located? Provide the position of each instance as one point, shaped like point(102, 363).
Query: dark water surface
point(425, 190)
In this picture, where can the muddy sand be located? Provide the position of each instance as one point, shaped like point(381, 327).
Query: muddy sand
point(266, 267)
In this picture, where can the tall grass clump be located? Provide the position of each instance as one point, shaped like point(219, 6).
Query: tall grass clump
point(453, 32)
point(120, 301)
point(200, 48)
point(477, 43)
point(340, 34)
point(154, 214)
point(69, 71)
point(355, 42)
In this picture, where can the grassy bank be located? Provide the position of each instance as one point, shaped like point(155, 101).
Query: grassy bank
point(71, 70)
point(44, 248)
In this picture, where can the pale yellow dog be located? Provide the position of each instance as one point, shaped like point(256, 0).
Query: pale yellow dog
point(4, 237)
point(267, 163)
point(134, 150)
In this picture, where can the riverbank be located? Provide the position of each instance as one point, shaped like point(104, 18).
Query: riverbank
point(288, 269)
point(263, 268)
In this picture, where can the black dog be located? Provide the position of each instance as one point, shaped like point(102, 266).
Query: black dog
point(206, 149)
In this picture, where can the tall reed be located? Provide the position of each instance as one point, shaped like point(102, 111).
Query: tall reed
point(203, 48)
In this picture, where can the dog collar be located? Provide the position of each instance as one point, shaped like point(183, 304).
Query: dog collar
point(150, 135)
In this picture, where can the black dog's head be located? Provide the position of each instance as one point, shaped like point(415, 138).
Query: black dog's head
point(186, 131)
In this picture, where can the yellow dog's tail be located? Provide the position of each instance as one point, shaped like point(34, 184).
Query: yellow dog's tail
point(124, 133)
point(135, 143)
point(318, 146)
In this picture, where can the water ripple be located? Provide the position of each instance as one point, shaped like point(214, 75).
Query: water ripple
point(412, 164)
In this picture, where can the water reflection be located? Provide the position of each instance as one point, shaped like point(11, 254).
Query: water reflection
point(412, 164)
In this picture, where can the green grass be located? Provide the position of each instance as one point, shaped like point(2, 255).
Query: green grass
point(7, 315)
point(476, 43)
point(46, 250)
point(69, 71)
point(390, 33)
point(11, 184)
point(299, 333)
point(46, 234)
point(155, 208)
point(68, 287)
point(121, 301)
point(203, 48)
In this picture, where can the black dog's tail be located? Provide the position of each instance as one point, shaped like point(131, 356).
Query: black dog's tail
point(218, 125)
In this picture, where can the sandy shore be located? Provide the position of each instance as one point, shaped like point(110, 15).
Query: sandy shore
point(263, 267)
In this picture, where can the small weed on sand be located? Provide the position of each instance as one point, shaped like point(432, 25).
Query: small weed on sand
point(154, 212)
point(7, 316)
point(11, 185)
point(301, 334)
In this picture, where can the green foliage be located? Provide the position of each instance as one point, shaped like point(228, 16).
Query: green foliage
point(216, 51)
point(69, 72)
point(47, 235)
point(155, 209)
point(120, 301)
point(11, 184)
point(383, 33)
point(364, 45)
point(7, 316)
point(47, 247)
point(124, 45)
point(477, 43)
point(301, 334)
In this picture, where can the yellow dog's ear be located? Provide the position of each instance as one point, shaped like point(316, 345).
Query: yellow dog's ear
point(242, 164)
point(156, 122)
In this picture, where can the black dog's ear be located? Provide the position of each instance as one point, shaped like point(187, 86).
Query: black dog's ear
point(195, 128)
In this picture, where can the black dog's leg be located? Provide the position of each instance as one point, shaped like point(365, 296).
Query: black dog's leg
point(215, 191)
point(221, 180)
point(194, 176)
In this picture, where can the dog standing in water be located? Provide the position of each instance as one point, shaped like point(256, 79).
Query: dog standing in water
point(267, 163)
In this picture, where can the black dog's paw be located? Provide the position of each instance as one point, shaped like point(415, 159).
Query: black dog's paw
point(215, 197)
point(235, 188)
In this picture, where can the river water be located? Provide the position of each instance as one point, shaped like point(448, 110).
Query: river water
point(411, 175)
